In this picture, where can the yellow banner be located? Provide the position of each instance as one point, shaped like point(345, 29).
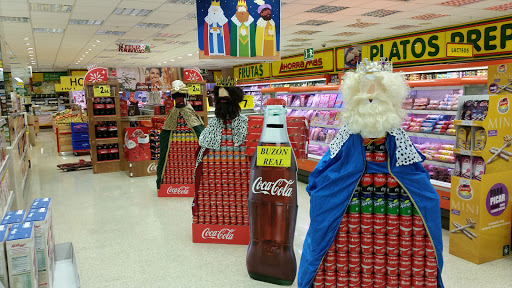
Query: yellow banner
point(340, 58)
point(101, 91)
point(459, 50)
point(252, 71)
point(295, 65)
point(37, 77)
point(274, 156)
point(70, 83)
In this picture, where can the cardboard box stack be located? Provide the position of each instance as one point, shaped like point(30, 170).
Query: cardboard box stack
point(4, 277)
point(41, 220)
point(13, 217)
point(21, 256)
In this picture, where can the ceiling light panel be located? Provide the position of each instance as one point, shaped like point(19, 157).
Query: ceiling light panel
point(380, 13)
point(166, 35)
point(176, 43)
point(186, 2)
point(14, 19)
point(404, 27)
point(345, 34)
point(315, 22)
point(131, 12)
point(300, 40)
point(502, 7)
point(151, 25)
point(428, 16)
point(458, 3)
point(85, 22)
point(326, 9)
point(109, 32)
point(50, 7)
point(48, 30)
point(362, 24)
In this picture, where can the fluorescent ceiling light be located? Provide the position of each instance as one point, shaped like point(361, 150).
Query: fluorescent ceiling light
point(27, 43)
point(189, 54)
point(89, 49)
point(180, 57)
point(165, 62)
point(186, 2)
point(50, 7)
point(172, 60)
point(98, 41)
point(85, 22)
point(48, 30)
point(14, 19)
point(108, 32)
point(25, 38)
point(93, 45)
point(86, 52)
point(166, 35)
point(151, 25)
point(18, 79)
point(131, 12)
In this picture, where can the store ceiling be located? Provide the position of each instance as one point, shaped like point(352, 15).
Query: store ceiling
point(78, 45)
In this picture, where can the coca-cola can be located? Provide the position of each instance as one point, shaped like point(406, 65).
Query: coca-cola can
point(367, 243)
point(330, 262)
point(354, 280)
point(379, 280)
point(379, 264)
point(379, 224)
point(430, 282)
point(342, 243)
point(354, 243)
point(369, 156)
point(367, 280)
point(405, 281)
point(418, 282)
point(354, 262)
point(379, 244)
point(392, 263)
point(418, 229)
point(392, 281)
point(405, 246)
point(429, 249)
point(342, 279)
point(332, 248)
point(380, 156)
point(392, 225)
point(405, 226)
point(330, 279)
point(430, 267)
point(321, 267)
point(354, 223)
point(342, 262)
point(405, 266)
point(418, 266)
point(319, 279)
point(392, 245)
point(367, 223)
point(367, 263)
point(418, 246)
point(343, 225)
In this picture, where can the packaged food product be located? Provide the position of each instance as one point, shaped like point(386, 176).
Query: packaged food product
point(478, 168)
point(465, 167)
point(462, 138)
point(480, 139)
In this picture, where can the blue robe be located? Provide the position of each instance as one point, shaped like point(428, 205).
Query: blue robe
point(331, 185)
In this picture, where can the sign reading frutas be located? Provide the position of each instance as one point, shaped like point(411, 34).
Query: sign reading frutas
point(252, 71)
point(101, 91)
point(274, 156)
point(133, 48)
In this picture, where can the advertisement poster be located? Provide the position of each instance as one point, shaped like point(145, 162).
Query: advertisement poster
point(144, 79)
point(239, 29)
point(499, 80)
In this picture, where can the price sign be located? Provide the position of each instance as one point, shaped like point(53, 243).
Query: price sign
point(465, 152)
point(274, 156)
point(194, 89)
point(101, 91)
point(467, 122)
point(247, 103)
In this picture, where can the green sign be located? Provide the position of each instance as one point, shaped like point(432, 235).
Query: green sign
point(204, 72)
point(53, 76)
point(309, 54)
point(21, 91)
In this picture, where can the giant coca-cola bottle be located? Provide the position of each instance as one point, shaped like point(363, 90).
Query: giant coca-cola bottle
point(273, 201)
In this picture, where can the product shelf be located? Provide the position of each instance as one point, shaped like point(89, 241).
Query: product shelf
point(440, 164)
point(318, 143)
point(467, 80)
point(312, 108)
point(325, 126)
point(431, 136)
point(435, 112)
point(469, 123)
point(112, 140)
point(468, 152)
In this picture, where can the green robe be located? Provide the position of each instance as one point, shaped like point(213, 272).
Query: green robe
point(242, 45)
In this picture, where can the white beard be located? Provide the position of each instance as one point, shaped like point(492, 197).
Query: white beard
point(216, 18)
point(372, 120)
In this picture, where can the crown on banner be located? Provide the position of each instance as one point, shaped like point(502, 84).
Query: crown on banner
point(366, 66)
point(215, 3)
point(241, 3)
point(221, 82)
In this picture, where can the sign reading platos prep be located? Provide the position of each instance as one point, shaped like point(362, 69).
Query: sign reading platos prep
point(274, 156)
point(239, 29)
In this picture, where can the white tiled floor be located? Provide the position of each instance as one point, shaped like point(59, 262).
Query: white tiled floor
point(125, 236)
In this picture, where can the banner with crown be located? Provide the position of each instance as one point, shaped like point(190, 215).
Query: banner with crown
point(244, 29)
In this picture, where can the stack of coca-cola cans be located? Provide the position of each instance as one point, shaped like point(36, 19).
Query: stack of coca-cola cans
point(180, 164)
point(224, 186)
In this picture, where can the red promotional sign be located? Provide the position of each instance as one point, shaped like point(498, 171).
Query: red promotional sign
point(193, 74)
point(220, 234)
point(176, 190)
point(96, 74)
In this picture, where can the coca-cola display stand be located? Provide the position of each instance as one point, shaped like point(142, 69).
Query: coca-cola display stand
point(97, 111)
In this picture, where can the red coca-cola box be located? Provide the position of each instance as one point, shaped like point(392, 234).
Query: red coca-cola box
point(176, 190)
point(136, 144)
point(220, 234)
point(159, 110)
point(251, 143)
point(255, 124)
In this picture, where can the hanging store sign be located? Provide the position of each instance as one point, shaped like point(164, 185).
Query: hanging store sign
point(133, 48)
point(459, 50)
point(252, 71)
point(323, 62)
point(239, 29)
point(70, 83)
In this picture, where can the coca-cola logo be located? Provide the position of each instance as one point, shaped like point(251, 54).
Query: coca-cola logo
point(222, 234)
point(178, 190)
point(152, 168)
point(281, 187)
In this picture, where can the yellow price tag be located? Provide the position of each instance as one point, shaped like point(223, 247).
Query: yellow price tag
point(101, 91)
point(194, 89)
point(274, 156)
point(247, 103)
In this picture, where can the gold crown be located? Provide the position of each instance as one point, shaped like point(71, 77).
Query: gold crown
point(221, 82)
point(215, 3)
point(241, 3)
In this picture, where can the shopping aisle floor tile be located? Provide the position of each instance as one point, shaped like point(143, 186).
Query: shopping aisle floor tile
point(125, 236)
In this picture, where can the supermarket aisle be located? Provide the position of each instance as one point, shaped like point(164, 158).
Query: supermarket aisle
point(124, 236)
